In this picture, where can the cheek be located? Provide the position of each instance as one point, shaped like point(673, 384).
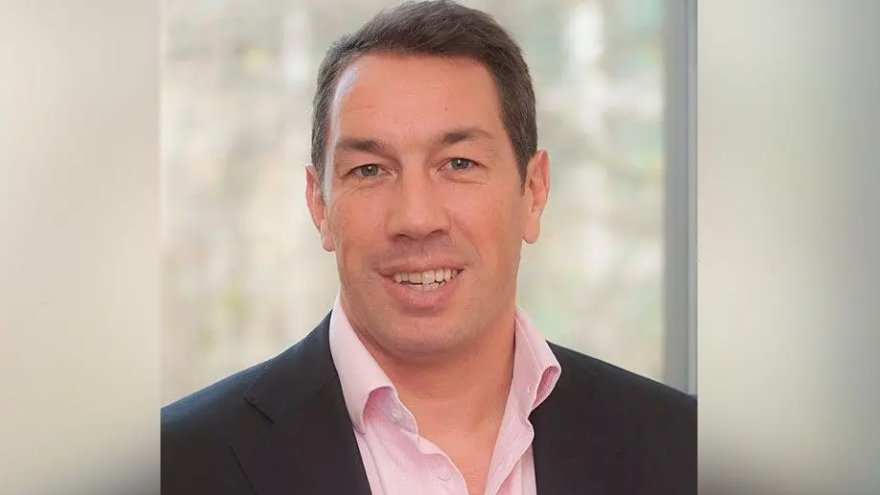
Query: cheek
point(356, 226)
point(492, 222)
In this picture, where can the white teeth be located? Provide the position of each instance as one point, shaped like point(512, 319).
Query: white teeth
point(427, 277)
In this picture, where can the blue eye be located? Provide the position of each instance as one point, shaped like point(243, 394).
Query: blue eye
point(460, 164)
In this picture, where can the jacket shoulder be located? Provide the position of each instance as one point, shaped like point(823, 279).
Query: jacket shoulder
point(624, 388)
point(197, 432)
point(655, 423)
point(212, 406)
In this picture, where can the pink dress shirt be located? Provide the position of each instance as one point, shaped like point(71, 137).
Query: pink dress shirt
point(400, 462)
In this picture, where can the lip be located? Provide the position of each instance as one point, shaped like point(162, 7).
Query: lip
point(410, 299)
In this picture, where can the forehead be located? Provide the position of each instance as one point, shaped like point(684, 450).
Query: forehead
point(416, 94)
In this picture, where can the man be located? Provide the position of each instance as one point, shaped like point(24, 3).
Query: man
point(425, 378)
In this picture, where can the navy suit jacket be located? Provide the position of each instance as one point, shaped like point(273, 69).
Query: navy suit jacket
point(281, 428)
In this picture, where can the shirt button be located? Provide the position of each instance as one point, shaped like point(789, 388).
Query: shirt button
point(395, 415)
point(444, 473)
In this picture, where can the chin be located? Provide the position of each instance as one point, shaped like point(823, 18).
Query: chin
point(425, 337)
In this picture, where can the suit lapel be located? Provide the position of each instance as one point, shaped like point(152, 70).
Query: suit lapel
point(571, 454)
point(311, 452)
point(307, 445)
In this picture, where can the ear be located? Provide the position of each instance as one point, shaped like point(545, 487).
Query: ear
point(318, 208)
point(536, 190)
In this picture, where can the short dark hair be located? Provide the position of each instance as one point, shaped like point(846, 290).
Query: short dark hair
point(439, 28)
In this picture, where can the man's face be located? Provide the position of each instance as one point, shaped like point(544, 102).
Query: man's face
point(423, 203)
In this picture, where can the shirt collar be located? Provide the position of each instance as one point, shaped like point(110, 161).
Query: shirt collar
point(535, 369)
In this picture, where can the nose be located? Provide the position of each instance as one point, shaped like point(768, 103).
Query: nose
point(417, 207)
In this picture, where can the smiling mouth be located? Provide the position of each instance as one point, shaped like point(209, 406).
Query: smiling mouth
point(426, 280)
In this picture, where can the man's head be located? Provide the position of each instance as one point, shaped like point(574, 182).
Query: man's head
point(443, 29)
point(425, 167)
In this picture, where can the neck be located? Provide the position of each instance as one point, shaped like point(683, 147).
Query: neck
point(444, 395)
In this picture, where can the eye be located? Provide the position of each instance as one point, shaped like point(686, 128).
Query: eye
point(460, 164)
point(369, 170)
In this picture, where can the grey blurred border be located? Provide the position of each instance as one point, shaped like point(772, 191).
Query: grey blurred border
point(680, 354)
point(79, 247)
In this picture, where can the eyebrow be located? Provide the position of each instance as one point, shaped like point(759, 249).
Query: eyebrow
point(463, 134)
point(382, 148)
point(372, 146)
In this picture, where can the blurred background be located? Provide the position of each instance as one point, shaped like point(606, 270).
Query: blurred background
point(244, 275)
